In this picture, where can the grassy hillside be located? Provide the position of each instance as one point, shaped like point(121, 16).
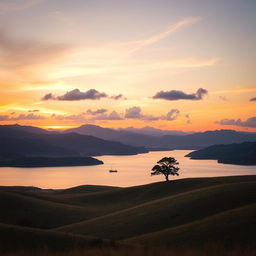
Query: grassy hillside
point(123, 198)
point(225, 228)
point(187, 217)
point(33, 212)
point(15, 238)
point(167, 212)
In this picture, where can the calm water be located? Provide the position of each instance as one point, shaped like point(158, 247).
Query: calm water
point(133, 170)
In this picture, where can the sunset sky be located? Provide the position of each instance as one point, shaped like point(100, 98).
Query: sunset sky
point(179, 65)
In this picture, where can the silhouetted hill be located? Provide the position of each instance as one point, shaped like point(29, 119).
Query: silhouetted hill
point(27, 241)
point(90, 145)
point(20, 142)
point(24, 128)
point(190, 141)
point(25, 146)
point(123, 136)
point(166, 212)
point(243, 153)
point(64, 144)
point(227, 227)
point(215, 215)
point(208, 138)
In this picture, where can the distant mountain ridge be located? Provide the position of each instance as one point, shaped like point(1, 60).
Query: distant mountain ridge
point(148, 130)
point(20, 142)
point(185, 141)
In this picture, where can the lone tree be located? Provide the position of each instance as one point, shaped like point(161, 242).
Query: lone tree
point(166, 166)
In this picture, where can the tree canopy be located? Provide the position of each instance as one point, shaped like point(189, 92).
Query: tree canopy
point(166, 166)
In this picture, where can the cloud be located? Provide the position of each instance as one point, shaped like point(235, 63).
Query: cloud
point(172, 115)
point(48, 96)
point(250, 122)
point(253, 99)
point(76, 94)
point(78, 118)
point(223, 98)
point(188, 120)
point(136, 113)
point(21, 117)
point(4, 118)
point(118, 97)
point(34, 110)
point(133, 112)
point(81, 118)
point(96, 112)
point(180, 95)
point(112, 116)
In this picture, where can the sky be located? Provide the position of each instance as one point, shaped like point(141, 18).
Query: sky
point(185, 65)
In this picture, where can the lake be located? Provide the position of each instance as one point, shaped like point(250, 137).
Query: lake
point(133, 170)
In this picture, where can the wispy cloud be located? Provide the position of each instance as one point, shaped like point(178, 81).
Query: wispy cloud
point(238, 90)
point(96, 112)
point(28, 59)
point(162, 35)
point(83, 117)
point(26, 63)
point(21, 117)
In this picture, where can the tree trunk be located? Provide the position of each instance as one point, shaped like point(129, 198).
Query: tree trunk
point(166, 177)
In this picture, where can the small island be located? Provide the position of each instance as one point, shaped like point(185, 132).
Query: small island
point(239, 154)
point(49, 161)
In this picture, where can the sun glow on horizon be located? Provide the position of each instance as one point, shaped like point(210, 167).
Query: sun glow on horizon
point(62, 68)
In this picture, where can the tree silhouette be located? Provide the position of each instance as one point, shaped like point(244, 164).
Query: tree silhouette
point(166, 166)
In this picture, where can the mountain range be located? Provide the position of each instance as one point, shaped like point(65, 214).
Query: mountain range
point(18, 143)
point(166, 141)
point(22, 145)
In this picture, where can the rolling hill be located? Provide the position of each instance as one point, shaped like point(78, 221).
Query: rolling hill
point(166, 212)
point(22, 209)
point(181, 216)
point(21, 240)
point(232, 225)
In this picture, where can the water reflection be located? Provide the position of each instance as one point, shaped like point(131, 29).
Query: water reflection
point(133, 170)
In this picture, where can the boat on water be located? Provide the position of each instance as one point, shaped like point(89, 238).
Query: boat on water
point(111, 170)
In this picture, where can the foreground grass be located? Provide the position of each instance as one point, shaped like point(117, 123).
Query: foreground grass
point(25, 210)
point(233, 228)
point(189, 217)
point(209, 250)
point(167, 212)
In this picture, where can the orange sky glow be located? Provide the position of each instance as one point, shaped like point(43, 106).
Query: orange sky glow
point(117, 64)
